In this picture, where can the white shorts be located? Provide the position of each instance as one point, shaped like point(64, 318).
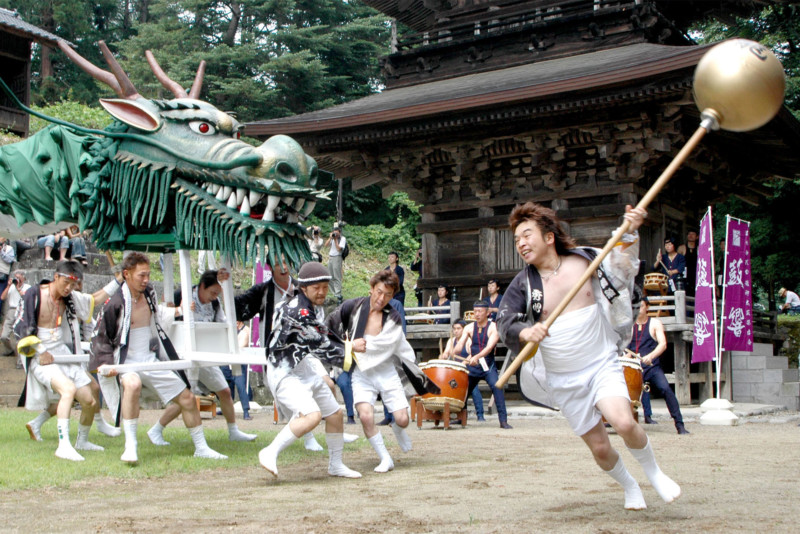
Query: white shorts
point(166, 384)
point(577, 393)
point(305, 393)
point(381, 379)
point(212, 378)
point(44, 374)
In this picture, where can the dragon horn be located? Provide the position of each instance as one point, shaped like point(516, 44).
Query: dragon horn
point(162, 77)
point(126, 87)
point(93, 71)
point(198, 80)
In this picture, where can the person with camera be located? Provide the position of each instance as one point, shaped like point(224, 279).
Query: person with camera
point(335, 260)
point(315, 243)
point(12, 293)
point(7, 258)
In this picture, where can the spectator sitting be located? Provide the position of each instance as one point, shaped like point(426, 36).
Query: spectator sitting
point(792, 304)
point(77, 244)
point(48, 243)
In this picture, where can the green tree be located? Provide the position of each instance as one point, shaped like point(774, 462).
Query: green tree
point(777, 27)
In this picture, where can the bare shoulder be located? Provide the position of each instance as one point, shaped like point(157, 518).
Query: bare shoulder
point(656, 324)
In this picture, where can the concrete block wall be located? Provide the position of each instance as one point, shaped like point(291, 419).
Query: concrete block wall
point(760, 377)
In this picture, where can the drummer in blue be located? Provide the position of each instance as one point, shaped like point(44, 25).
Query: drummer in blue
point(483, 337)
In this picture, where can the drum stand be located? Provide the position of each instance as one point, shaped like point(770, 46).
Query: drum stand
point(423, 414)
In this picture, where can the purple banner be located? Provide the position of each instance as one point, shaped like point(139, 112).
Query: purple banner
point(705, 319)
point(737, 301)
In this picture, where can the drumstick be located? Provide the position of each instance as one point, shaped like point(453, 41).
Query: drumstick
point(530, 348)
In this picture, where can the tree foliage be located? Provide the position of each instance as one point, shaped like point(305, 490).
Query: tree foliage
point(266, 58)
point(777, 27)
point(773, 231)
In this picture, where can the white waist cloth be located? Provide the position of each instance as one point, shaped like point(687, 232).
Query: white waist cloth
point(53, 340)
point(576, 339)
point(139, 346)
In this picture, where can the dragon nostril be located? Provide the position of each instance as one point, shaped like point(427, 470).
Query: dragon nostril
point(286, 172)
point(312, 177)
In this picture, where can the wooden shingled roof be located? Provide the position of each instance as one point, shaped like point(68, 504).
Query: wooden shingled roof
point(11, 22)
point(524, 83)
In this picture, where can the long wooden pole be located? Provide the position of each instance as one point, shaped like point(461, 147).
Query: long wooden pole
point(680, 158)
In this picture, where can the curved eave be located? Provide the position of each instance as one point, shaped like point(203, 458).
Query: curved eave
point(605, 69)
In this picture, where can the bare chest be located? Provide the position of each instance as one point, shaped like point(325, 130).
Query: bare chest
point(140, 313)
point(557, 287)
point(374, 324)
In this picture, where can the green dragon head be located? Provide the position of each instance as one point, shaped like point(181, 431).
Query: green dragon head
point(174, 173)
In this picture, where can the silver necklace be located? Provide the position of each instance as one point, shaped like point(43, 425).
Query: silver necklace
point(555, 272)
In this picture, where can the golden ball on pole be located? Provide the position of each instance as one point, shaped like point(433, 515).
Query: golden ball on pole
point(741, 83)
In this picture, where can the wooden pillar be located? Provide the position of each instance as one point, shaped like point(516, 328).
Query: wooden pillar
point(682, 390)
point(487, 244)
point(680, 307)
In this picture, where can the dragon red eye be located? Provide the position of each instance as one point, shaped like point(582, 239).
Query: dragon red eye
point(202, 127)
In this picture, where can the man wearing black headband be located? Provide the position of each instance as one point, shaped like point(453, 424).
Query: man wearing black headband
point(483, 337)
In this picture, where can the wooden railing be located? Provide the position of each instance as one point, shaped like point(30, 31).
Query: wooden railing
point(420, 321)
point(468, 27)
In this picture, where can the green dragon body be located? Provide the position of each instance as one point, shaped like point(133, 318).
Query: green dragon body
point(166, 175)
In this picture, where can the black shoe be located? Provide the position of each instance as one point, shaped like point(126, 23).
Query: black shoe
point(351, 420)
point(505, 425)
point(649, 420)
point(680, 428)
point(385, 422)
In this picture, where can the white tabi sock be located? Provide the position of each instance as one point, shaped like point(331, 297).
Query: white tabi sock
point(105, 428)
point(387, 464)
point(665, 486)
point(336, 467)
point(268, 456)
point(129, 427)
point(35, 427)
point(65, 449)
point(311, 443)
point(201, 448)
point(234, 434)
point(402, 437)
point(634, 500)
point(83, 443)
point(156, 435)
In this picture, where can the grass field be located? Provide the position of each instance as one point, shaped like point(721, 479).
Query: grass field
point(28, 464)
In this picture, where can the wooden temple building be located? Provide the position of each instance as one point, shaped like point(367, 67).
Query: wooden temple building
point(16, 40)
point(577, 104)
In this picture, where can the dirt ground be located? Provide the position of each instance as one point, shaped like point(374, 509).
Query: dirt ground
point(537, 477)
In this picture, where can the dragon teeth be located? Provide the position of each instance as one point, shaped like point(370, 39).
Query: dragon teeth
point(215, 188)
point(245, 209)
point(292, 218)
point(272, 205)
point(220, 194)
point(255, 197)
point(298, 204)
point(232, 202)
point(240, 193)
point(226, 191)
point(309, 207)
